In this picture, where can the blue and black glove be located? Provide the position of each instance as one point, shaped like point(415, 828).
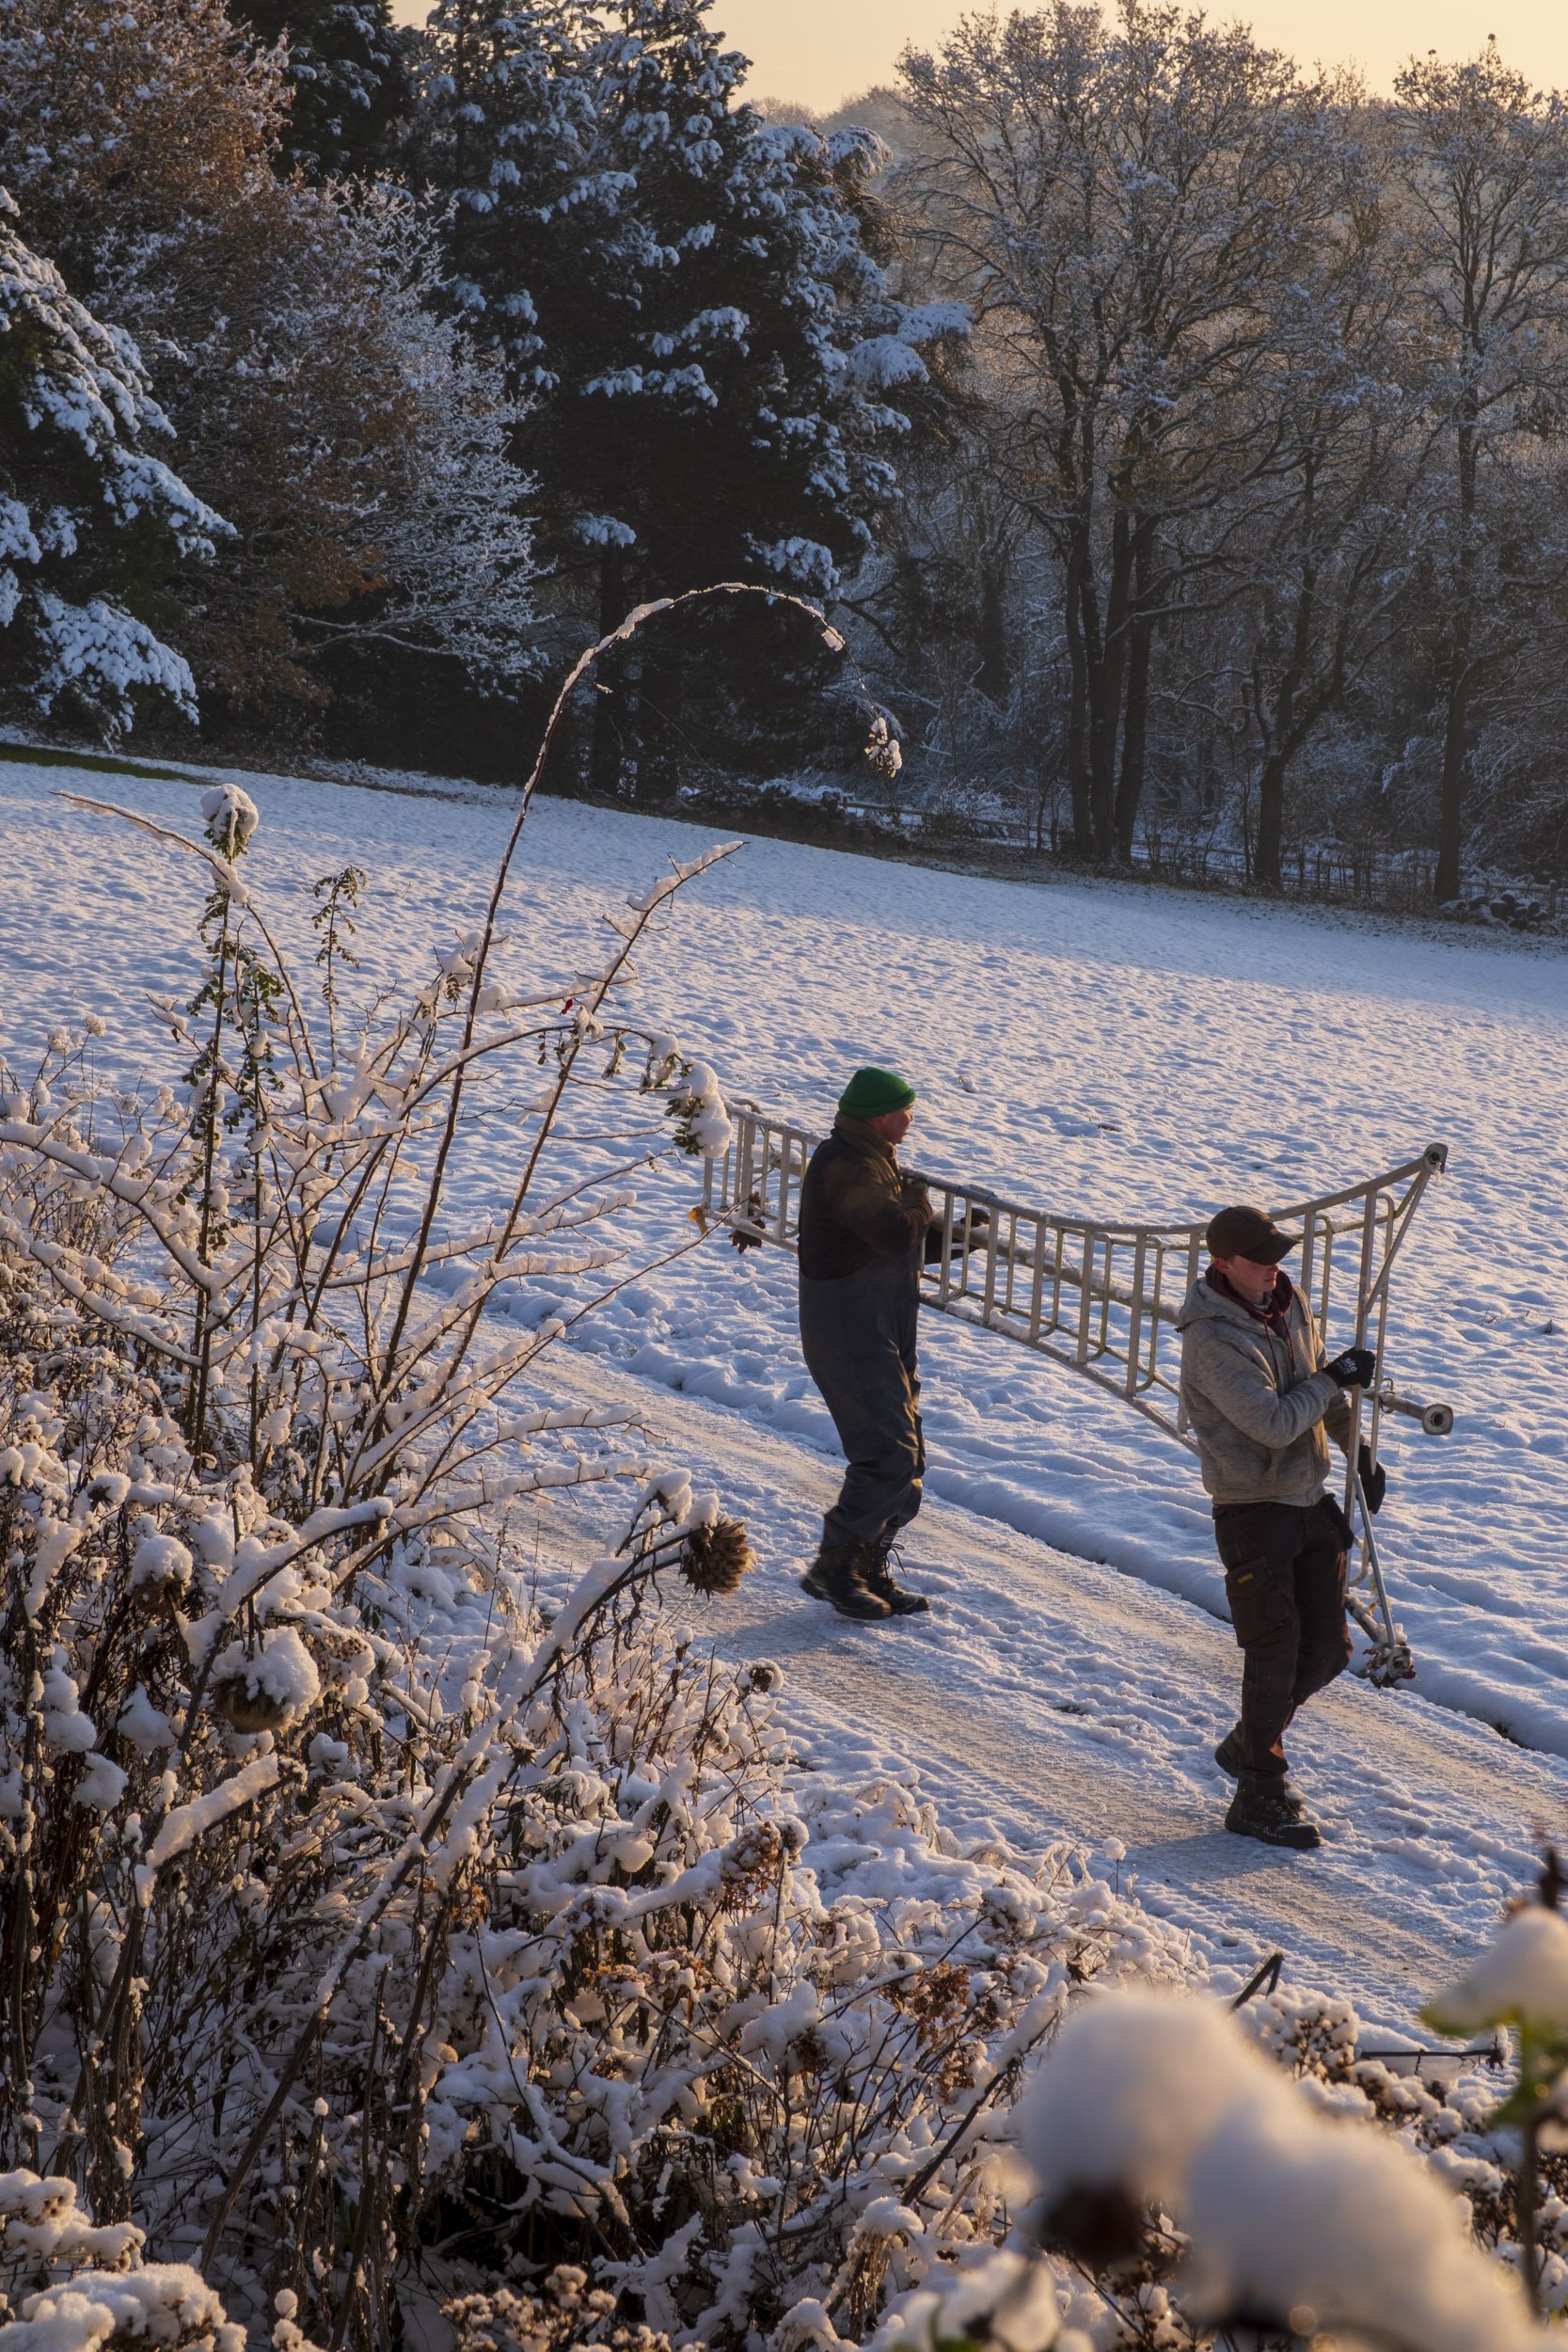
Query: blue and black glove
point(1356, 1369)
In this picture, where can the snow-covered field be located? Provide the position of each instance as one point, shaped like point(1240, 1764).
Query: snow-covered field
point(1089, 1047)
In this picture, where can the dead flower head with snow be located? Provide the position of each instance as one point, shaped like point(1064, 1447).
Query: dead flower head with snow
point(715, 1556)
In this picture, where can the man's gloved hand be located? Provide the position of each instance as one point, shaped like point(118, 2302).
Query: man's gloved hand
point(1374, 1477)
point(913, 1193)
point(1356, 1369)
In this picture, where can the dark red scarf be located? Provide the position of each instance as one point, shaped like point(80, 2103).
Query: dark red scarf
point(1274, 1314)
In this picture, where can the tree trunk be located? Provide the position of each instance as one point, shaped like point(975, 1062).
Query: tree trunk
point(1456, 715)
point(1107, 664)
point(994, 679)
point(1450, 810)
point(1077, 721)
point(1270, 822)
point(1134, 725)
point(609, 742)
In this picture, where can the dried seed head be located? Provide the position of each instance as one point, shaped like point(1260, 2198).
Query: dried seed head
point(714, 1559)
point(248, 1710)
point(882, 752)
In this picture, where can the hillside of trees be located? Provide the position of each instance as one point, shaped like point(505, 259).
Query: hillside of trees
point(1175, 437)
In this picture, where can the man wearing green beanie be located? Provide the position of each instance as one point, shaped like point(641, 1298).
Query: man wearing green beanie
point(861, 1238)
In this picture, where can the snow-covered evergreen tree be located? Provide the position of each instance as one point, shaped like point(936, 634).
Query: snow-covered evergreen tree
point(347, 74)
point(285, 328)
point(718, 375)
point(91, 519)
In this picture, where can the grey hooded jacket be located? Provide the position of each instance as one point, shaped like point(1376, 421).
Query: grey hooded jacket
point(1259, 1404)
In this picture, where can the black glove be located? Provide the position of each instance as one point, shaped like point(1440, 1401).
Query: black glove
point(1374, 1477)
point(1356, 1369)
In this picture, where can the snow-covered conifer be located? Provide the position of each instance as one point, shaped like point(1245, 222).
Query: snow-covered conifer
point(91, 516)
point(719, 374)
point(317, 406)
point(347, 70)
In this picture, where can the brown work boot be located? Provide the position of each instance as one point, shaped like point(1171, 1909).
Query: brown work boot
point(837, 1576)
point(1272, 1818)
point(1227, 1756)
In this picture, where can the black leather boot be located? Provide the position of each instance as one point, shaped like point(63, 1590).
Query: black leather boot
point(837, 1576)
point(876, 1573)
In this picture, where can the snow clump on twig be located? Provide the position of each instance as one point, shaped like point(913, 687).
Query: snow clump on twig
point(1294, 2220)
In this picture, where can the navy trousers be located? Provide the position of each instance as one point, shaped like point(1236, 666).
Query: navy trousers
point(857, 1337)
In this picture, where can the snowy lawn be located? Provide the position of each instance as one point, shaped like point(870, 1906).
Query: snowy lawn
point(1094, 1048)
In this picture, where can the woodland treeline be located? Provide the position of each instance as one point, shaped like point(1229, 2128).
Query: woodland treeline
point(1176, 435)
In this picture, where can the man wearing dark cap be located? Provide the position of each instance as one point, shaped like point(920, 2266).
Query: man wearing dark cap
point(861, 1238)
point(1262, 1401)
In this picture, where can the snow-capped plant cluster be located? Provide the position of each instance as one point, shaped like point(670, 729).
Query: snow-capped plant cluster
point(90, 517)
point(1189, 2192)
point(358, 1911)
point(104, 2292)
point(1290, 2218)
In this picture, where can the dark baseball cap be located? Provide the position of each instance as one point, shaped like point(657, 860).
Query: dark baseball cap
point(1247, 1232)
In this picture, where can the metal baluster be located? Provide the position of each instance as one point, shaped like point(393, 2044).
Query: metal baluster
point(1308, 1247)
point(746, 1137)
point(1194, 1244)
point(1010, 1263)
point(785, 1146)
point(1362, 1290)
point(1135, 1325)
point(944, 1275)
point(1037, 1288)
point(988, 1299)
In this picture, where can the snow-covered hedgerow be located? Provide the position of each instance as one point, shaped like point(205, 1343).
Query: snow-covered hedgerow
point(357, 1914)
point(91, 518)
point(426, 1925)
point(433, 1929)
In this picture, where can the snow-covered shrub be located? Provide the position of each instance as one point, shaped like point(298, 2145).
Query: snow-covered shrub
point(91, 519)
point(567, 2313)
point(355, 1910)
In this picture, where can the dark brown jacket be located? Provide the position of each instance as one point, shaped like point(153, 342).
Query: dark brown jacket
point(857, 1205)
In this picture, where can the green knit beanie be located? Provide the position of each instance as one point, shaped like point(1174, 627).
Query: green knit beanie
point(871, 1092)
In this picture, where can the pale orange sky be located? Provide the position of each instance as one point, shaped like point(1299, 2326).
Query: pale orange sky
point(822, 52)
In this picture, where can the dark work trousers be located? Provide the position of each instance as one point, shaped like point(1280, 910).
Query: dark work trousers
point(857, 1335)
point(1284, 1580)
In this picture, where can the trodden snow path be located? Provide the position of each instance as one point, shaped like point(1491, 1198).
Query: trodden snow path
point(1049, 1697)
